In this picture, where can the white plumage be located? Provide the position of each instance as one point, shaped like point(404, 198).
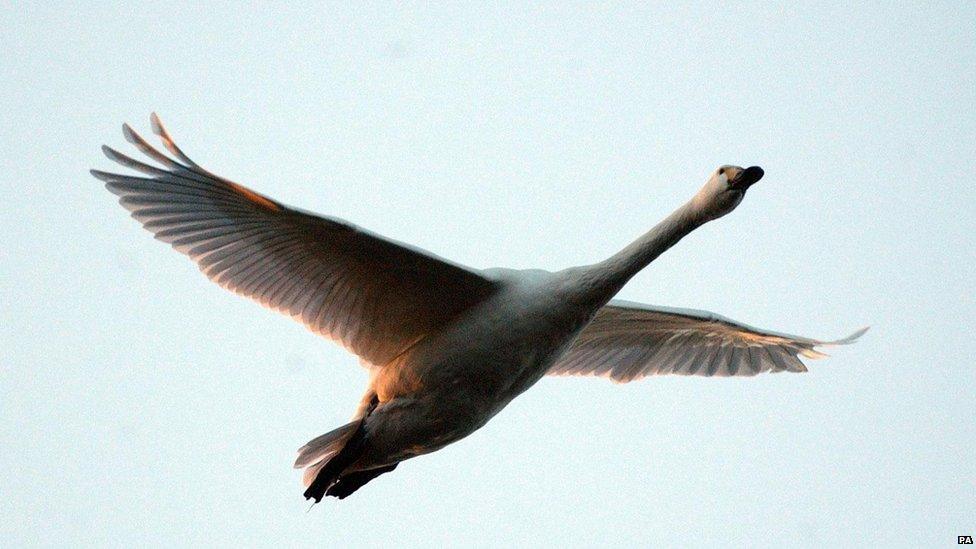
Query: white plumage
point(447, 346)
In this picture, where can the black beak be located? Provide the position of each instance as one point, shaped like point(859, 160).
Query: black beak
point(747, 177)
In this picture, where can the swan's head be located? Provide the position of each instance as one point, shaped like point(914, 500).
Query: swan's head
point(725, 189)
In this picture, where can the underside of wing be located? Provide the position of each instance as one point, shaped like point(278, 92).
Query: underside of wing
point(627, 341)
point(374, 296)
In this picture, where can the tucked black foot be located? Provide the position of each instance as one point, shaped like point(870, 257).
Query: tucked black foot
point(316, 490)
point(347, 484)
point(329, 474)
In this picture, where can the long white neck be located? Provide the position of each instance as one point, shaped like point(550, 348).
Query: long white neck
point(605, 279)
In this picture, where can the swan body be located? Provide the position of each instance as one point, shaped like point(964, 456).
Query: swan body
point(447, 347)
point(466, 373)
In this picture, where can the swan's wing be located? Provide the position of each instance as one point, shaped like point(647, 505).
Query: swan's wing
point(374, 296)
point(626, 341)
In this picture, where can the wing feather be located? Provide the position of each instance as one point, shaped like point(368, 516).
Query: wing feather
point(627, 341)
point(374, 296)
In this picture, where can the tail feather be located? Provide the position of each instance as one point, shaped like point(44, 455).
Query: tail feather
point(323, 474)
point(327, 457)
point(317, 451)
point(308, 477)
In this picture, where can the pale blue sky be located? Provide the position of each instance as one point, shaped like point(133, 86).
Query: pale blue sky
point(141, 404)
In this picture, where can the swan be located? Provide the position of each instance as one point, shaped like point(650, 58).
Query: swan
point(446, 347)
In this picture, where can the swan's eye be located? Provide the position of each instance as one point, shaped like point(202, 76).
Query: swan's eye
point(721, 171)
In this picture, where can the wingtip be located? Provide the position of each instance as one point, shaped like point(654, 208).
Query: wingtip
point(160, 130)
point(129, 133)
point(849, 339)
point(157, 124)
point(100, 175)
point(853, 337)
point(109, 152)
point(109, 179)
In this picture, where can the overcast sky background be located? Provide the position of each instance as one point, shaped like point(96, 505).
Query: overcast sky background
point(141, 404)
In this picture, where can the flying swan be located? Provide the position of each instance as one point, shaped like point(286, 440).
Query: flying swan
point(446, 346)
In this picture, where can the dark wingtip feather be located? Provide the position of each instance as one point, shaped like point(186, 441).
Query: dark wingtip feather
point(110, 180)
point(849, 339)
point(157, 125)
point(103, 176)
point(129, 162)
point(134, 138)
point(130, 134)
point(120, 158)
point(117, 157)
point(109, 152)
point(160, 130)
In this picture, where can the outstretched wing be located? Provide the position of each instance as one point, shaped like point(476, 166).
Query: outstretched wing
point(374, 296)
point(626, 341)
